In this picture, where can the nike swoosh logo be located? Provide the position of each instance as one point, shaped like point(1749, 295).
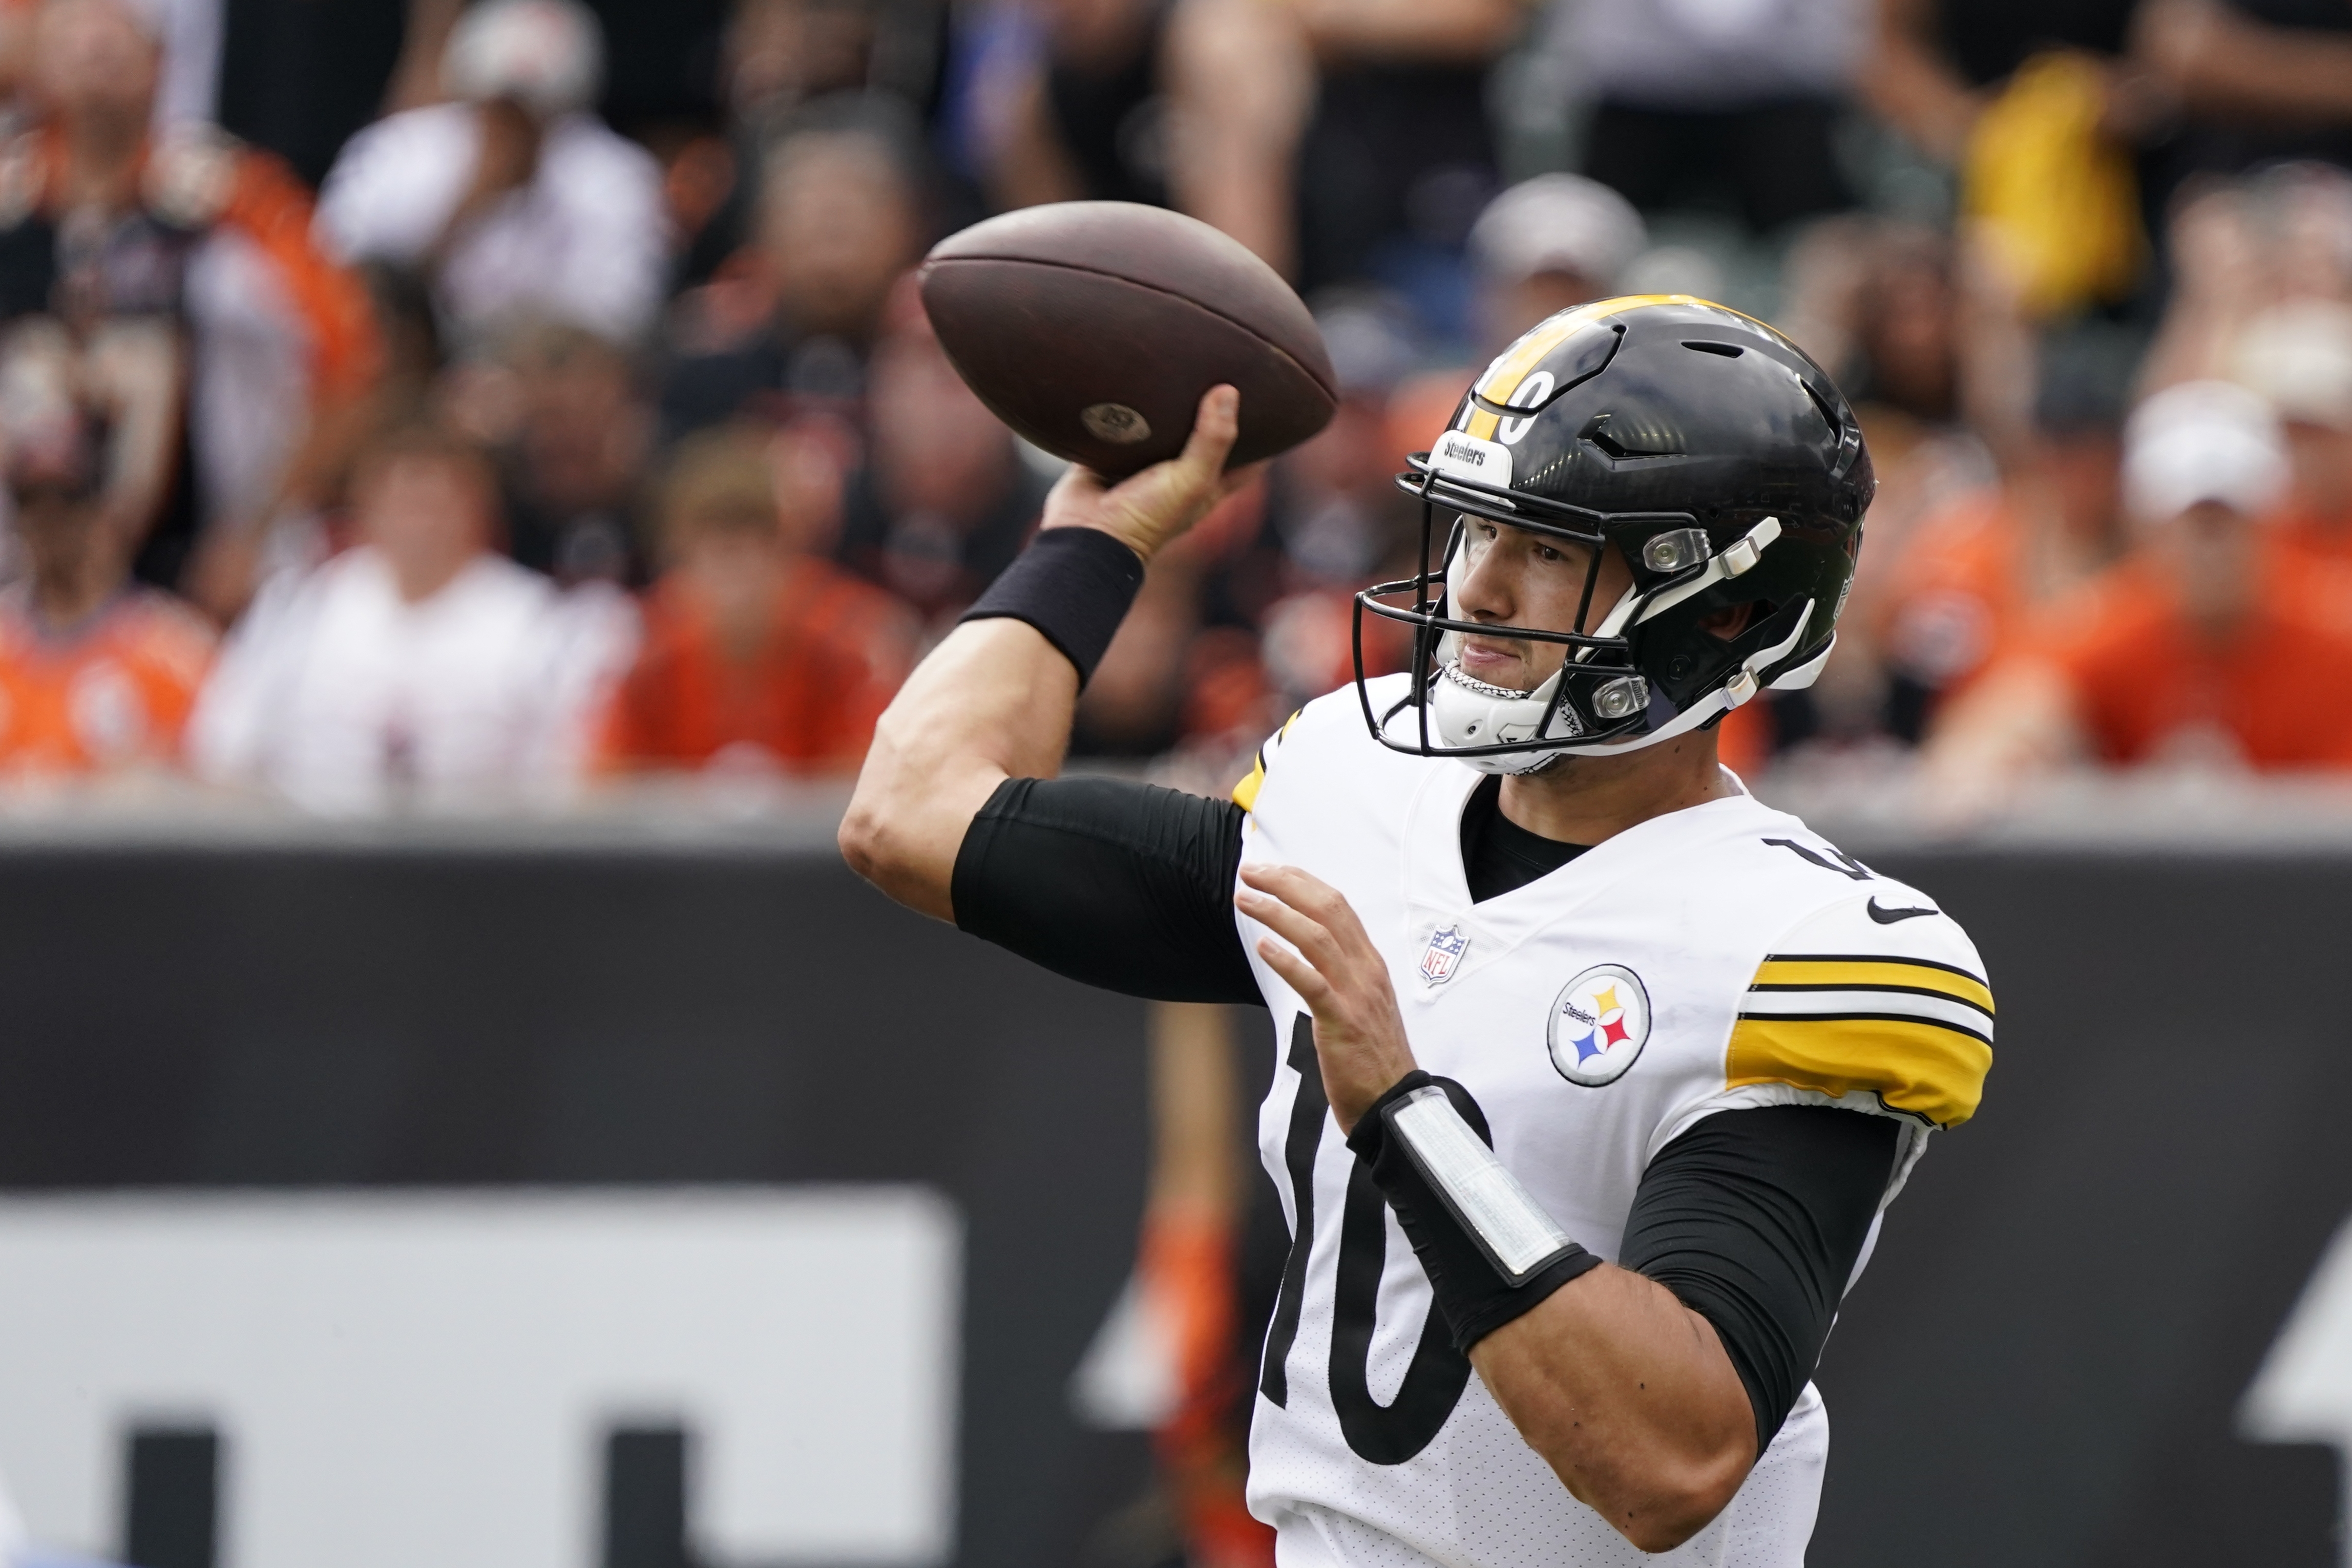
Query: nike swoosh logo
point(1889, 917)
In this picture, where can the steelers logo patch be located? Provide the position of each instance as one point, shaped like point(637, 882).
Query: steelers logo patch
point(1599, 1025)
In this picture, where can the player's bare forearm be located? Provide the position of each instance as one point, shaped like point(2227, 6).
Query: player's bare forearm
point(994, 700)
point(1626, 1393)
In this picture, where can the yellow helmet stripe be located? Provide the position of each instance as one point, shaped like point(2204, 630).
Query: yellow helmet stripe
point(1514, 363)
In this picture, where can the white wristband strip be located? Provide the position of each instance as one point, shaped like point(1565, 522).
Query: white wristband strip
point(1518, 1237)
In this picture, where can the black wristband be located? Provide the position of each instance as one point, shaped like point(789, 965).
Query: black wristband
point(1073, 585)
point(1474, 1294)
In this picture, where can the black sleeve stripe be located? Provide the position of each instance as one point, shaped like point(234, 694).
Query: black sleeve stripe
point(1919, 1019)
point(1858, 985)
point(1877, 958)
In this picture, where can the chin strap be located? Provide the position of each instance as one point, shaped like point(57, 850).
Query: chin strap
point(1744, 684)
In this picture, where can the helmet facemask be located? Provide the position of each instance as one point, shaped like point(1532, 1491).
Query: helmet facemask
point(1600, 702)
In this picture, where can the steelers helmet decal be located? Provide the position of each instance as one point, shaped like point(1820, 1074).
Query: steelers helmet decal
point(1694, 445)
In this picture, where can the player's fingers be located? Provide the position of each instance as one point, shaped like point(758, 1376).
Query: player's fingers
point(1311, 895)
point(1215, 426)
point(1296, 973)
point(1300, 930)
point(1339, 949)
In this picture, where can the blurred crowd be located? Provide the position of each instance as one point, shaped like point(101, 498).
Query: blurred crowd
point(415, 402)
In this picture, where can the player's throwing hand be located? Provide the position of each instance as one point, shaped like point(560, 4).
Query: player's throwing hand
point(1336, 971)
point(1145, 512)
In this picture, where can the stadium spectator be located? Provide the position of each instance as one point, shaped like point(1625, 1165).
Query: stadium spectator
point(1992, 561)
point(2261, 80)
point(515, 199)
point(758, 656)
point(1344, 140)
point(1550, 243)
point(2196, 651)
point(1736, 104)
point(790, 323)
point(417, 668)
point(2299, 356)
point(1085, 107)
point(785, 55)
point(1196, 104)
point(577, 440)
point(1933, 66)
point(194, 239)
point(232, 561)
point(96, 675)
point(944, 501)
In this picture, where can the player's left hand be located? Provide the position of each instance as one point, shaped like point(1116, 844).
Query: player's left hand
point(1332, 965)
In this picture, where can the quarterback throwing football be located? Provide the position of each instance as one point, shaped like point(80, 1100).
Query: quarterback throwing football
point(1596, 1074)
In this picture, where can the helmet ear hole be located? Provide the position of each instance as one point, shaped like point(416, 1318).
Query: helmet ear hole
point(1731, 620)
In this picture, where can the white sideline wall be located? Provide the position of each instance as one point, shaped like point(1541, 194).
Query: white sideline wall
point(403, 1377)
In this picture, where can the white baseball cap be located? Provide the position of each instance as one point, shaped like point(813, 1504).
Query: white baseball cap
point(2299, 356)
point(1558, 223)
point(548, 55)
point(2203, 440)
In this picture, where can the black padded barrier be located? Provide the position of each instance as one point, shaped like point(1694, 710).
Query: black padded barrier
point(2039, 1367)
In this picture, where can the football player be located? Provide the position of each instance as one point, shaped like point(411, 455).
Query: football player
point(1596, 1074)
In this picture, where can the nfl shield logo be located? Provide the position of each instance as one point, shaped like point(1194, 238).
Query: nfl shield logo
point(1446, 945)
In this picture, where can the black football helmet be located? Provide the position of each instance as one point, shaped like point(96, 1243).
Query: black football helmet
point(1722, 464)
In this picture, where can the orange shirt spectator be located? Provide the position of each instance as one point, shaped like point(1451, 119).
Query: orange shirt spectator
point(1974, 573)
point(2208, 645)
point(93, 676)
point(111, 693)
point(755, 652)
point(1957, 593)
point(2307, 535)
point(2147, 681)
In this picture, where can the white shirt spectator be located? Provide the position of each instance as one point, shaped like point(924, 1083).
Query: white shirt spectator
point(1717, 54)
point(585, 242)
point(346, 699)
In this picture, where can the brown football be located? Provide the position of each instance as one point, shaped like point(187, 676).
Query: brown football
point(1092, 328)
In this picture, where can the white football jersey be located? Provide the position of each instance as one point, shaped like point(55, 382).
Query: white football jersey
point(1715, 957)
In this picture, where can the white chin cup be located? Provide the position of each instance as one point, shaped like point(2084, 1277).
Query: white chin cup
point(1464, 712)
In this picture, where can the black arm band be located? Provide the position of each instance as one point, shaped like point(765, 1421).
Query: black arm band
point(1473, 1289)
point(1073, 585)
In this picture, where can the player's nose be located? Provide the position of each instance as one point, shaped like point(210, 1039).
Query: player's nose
point(1481, 588)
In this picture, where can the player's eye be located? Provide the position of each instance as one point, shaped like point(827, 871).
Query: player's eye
point(1544, 552)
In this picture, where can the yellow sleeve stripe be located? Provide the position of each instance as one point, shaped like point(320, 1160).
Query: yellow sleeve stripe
point(1245, 792)
point(1934, 1072)
point(1839, 972)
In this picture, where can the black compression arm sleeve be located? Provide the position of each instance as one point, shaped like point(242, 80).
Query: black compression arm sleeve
point(1755, 1219)
point(1118, 884)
